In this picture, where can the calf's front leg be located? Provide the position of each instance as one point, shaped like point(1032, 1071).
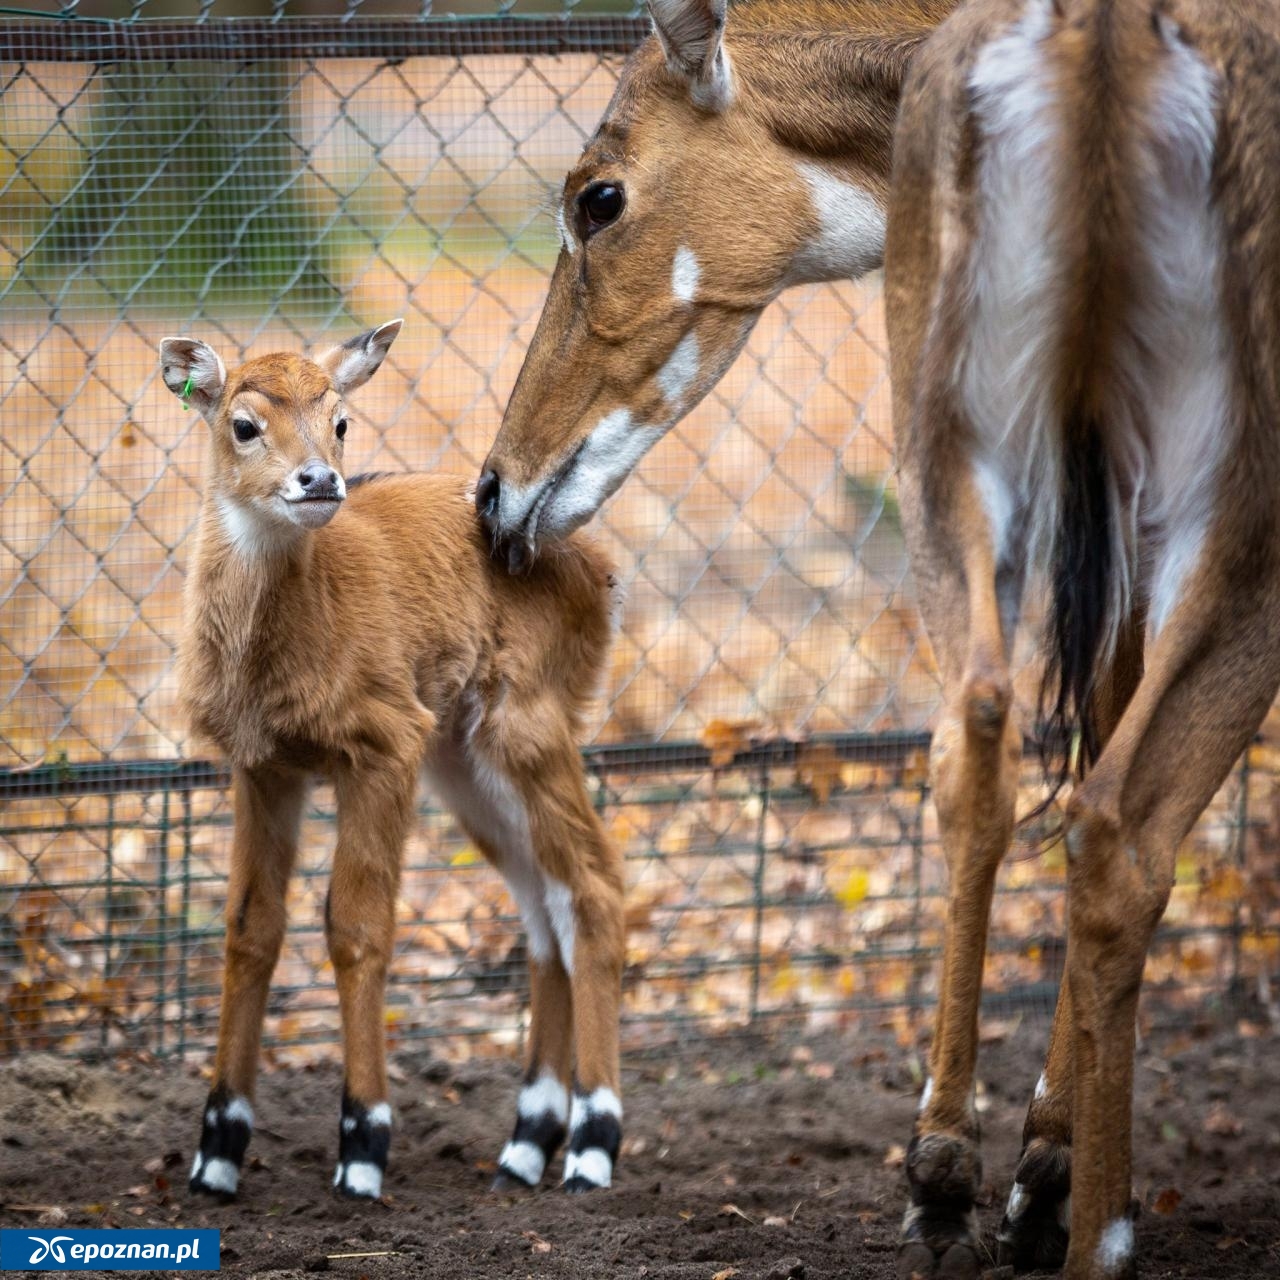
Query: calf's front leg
point(375, 809)
point(268, 810)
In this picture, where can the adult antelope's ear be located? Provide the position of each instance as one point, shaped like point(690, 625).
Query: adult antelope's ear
point(691, 33)
point(193, 371)
point(353, 363)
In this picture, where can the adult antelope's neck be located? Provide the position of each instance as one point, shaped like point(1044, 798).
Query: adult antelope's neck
point(825, 77)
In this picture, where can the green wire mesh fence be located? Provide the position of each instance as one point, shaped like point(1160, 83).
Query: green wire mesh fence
point(280, 175)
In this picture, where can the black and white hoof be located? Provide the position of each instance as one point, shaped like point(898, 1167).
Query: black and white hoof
point(595, 1134)
point(224, 1138)
point(939, 1237)
point(1035, 1229)
point(364, 1138)
point(542, 1113)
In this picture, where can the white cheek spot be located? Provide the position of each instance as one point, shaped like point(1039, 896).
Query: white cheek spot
point(566, 240)
point(525, 1160)
point(680, 371)
point(545, 1095)
point(559, 900)
point(684, 275)
point(850, 238)
point(1115, 1248)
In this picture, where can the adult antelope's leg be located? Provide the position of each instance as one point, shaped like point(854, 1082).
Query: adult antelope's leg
point(268, 808)
point(1033, 1234)
point(375, 809)
point(969, 603)
point(1212, 674)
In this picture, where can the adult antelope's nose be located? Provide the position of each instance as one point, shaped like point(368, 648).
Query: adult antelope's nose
point(487, 493)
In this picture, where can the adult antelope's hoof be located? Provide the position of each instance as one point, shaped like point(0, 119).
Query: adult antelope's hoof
point(1035, 1230)
point(939, 1237)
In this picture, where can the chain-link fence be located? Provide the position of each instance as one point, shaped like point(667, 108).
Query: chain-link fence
point(280, 176)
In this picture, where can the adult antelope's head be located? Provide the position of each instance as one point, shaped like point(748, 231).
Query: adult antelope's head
point(733, 161)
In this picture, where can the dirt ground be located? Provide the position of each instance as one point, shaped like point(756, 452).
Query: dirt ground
point(775, 1157)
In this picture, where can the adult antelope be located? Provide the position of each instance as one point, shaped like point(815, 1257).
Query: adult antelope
point(734, 160)
point(360, 630)
point(1082, 300)
point(1083, 295)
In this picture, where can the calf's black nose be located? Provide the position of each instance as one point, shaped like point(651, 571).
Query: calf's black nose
point(318, 481)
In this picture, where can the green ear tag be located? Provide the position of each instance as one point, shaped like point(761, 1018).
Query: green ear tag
point(185, 394)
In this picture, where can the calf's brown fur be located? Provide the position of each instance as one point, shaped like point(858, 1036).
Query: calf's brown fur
point(365, 635)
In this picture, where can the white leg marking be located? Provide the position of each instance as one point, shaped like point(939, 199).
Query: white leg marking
point(216, 1174)
point(1042, 1086)
point(239, 1109)
point(1005, 366)
point(546, 1094)
point(1017, 1202)
point(926, 1095)
point(360, 1177)
point(559, 901)
point(475, 789)
point(680, 371)
point(1115, 1248)
point(1064, 1213)
point(1187, 395)
point(380, 1115)
point(525, 1160)
point(851, 222)
point(685, 273)
point(601, 1102)
point(592, 1164)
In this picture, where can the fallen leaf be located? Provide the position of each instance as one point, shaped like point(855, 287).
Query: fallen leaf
point(895, 1157)
point(732, 1210)
point(1221, 1122)
point(727, 1274)
point(773, 1220)
point(536, 1243)
point(1167, 1201)
point(54, 1216)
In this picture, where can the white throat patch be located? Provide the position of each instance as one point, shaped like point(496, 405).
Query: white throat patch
point(850, 239)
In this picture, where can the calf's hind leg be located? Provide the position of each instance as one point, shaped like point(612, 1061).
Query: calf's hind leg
point(582, 879)
point(268, 809)
point(488, 807)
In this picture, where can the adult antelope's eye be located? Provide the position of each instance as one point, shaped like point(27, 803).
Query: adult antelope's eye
point(244, 430)
point(601, 203)
point(341, 429)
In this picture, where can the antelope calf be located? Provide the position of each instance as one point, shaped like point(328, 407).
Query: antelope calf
point(1083, 296)
point(359, 630)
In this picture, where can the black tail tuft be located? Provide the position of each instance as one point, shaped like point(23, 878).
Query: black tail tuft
point(1081, 574)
